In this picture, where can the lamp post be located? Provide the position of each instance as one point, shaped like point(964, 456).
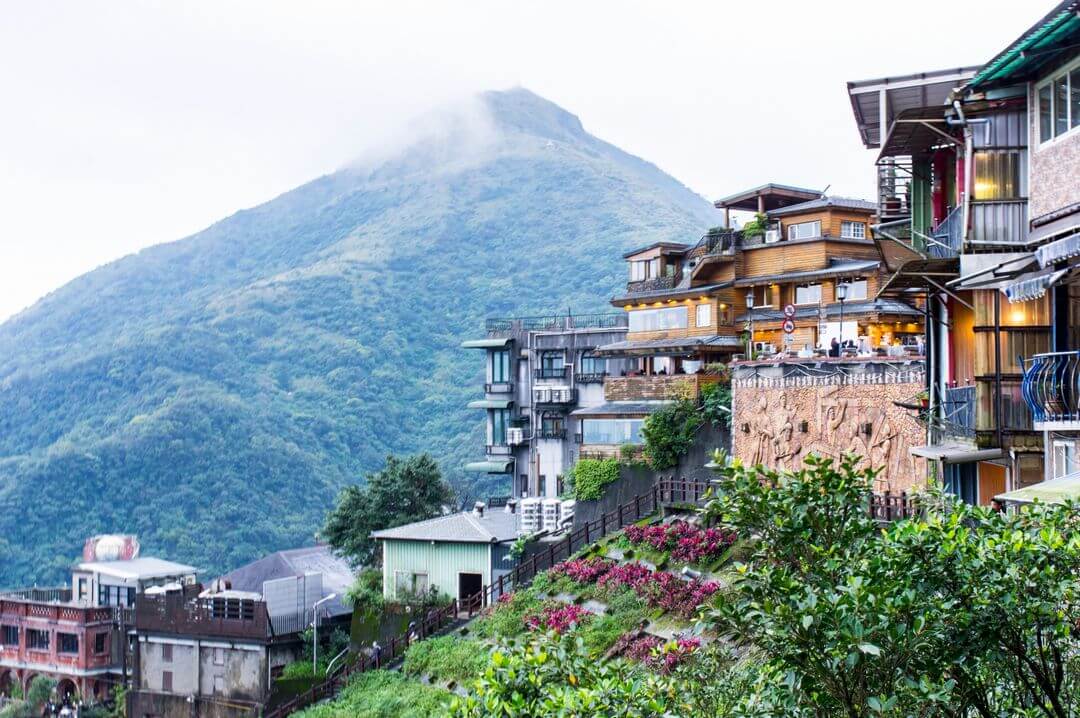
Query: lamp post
point(315, 636)
point(841, 294)
point(750, 313)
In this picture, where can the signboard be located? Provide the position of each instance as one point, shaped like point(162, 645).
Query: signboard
point(789, 310)
point(788, 326)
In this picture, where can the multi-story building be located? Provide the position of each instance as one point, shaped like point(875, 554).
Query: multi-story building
point(78, 634)
point(963, 155)
point(540, 372)
point(1039, 74)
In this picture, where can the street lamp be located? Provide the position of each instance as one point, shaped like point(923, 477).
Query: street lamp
point(750, 313)
point(315, 637)
point(841, 294)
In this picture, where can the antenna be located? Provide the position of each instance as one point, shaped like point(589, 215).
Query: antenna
point(823, 195)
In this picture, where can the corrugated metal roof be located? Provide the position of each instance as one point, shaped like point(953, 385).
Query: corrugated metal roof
point(622, 408)
point(1035, 49)
point(496, 525)
point(683, 290)
point(490, 404)
point(337, 574)
point(138, 568)
point(823, 202)
point(660, 345)
point(878, 306)
point(486, 343)
point(490, 467)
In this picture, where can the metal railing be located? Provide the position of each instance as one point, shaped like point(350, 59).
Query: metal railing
point(552, 372)
point(596, 378)
point(551, 434)
point(894, 181)
point(958, 410)
point(38, 595)
point(499, 387)
point(551, 323)
point(1051, 387)
point(949, 234)
point(499, 450)
point(498, 502)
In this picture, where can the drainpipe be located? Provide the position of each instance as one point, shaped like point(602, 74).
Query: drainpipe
point(997, 365)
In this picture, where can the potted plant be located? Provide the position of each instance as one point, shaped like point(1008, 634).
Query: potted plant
point(923, 397)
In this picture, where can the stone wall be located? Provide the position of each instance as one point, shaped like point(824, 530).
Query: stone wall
point(784, 411)
point(1053, 170)
point(656, 387)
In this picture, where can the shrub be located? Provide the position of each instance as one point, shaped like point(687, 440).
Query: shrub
point(383, 694)
point(590, 476)
point(366, 591)
point(669, 433)
point(716, 403)
point(664, 656)
point(684, 541)
point(582, 570)
point(660, 589)
point(559, 618)
point(41, 689)
point(506, 617)
point(446, 658)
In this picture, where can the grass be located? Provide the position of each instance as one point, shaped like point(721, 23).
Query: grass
point(508, 619)
point(383, 694)
point(447, 658)
point(626, 611)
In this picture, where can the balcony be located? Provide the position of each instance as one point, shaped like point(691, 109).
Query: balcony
point(590, 378)
point(957, 417)
point(182, 615)
point(657, 387)
point(555, 323)
point(499, 387)
point(655, 284)
point(553, 373)
point(499, 450)
point(1051, 390)
point(551, 434)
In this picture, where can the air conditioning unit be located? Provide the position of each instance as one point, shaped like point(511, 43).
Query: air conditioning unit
point(530, 515)
point(567, 511)
point(764, 348)
point(515, 435)
point(551, 512)
point(772, 236)
point(560, 396)
point(541, 396)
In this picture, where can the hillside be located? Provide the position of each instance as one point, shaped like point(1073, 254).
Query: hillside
point(212, 394)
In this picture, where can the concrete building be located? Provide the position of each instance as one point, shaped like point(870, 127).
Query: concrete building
point(539, 370)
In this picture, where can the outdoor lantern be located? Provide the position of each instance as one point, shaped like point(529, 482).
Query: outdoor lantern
point(841, 292)
point(750, 299)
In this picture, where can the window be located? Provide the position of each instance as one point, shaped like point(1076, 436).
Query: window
point(499, 420)
point(523, 484)
point(10, 636)
point(652, 320)
point(856, 288)
point(552, 365)
point(101, 642)
point(703, 315)
point(762, 296)
point(998, 174)
point(853, 230)
point(552, 426)
point(166, 681)
point(500, 366)
point(166, 652)
point(613, 432)
point(804, 230)
point(116, 596)
point(37, 640)
point(643, 269)
point(83, 589)
point(1065, 458)
point(67, 643)
point(219, 685)
point(219, 656)
point(593, 365)
point(406, 582)
point(1059, 105)
point(808, 294)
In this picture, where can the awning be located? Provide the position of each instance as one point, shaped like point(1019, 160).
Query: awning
point(995, 276)
point(900, 93)
point(851, 310)
point(669, 347)
point(1038, 48)
point(1068, 223)
point(1055, 491)
point(955, 453)
point(485, 343)
point(1033, 286)
point(1059, 250)
point(917, 131)
point(621, 408)
point(920, 274)
point(490, 467)
point(491, 404)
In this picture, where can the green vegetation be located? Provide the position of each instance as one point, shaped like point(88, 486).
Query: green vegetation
point(383, 694)
point(405, 490)
point(366, 591)
point(669, 433)
point(590, 476)
point(716, 403)
point(242, 376)
point(446, 658)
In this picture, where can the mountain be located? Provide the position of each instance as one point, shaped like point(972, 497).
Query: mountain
point(213, 394)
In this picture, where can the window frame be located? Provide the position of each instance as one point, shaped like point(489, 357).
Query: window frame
point(796, 225)
point(1070, 73)
point(851, 223)
point(815, 302)
point(597, 365)
point(680, 310)
point(851, 282)
point(498, 427)
point(101, 643)
point(500, 366)
point(32, 645)
point(6, 633)
point(66, 637)
point(707, 322)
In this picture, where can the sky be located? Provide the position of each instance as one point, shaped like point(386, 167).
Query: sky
point(128, 124)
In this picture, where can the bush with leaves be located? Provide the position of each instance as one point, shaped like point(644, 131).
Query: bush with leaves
point(716, 403)
point(590, 476)
point(366, 591)
point(669, 433)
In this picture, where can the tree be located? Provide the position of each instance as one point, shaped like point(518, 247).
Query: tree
point(405, 490)
point(669, 433)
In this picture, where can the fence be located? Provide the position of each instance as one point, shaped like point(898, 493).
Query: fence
point(884, 507)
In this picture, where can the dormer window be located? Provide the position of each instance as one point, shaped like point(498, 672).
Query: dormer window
point(804, 230)
point(640, 270)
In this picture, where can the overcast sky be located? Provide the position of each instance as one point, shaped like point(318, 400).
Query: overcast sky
point(126, 124)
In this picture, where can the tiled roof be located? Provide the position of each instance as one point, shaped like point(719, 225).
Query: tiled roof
point(495, 526)
point(825, 202)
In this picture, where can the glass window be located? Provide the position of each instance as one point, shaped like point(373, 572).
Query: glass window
point(593, 365)
point(762, 296)
point(1045, 126)
point(406, 582)
point(997, 174)
point(804, 230)
point(67, 643)
point(614, 432)
point(499, 419)
point(853, 230)
point(1074, 92)
point(650, 320)
point(1061, 105)
point(10, 636)
point(808, 294)
point(37, 640)
point(500, 366)
point(551, 364)
point(166, 681)
point(644, 269)
point(703, 315)
point(856, 289)
point(100, 642)
point(552, 425)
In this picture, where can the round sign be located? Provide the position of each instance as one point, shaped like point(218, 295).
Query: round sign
point(789, 310)
point(789, 326)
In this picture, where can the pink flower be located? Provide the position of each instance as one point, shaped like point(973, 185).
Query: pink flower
point(557, 618)
point(582, 570)
point(685, 541)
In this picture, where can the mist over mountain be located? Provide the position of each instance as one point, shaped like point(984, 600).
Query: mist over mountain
point(212, 394)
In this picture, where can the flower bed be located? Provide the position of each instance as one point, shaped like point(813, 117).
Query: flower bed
point(655, 652)
point(558, 618)
point(684, 541)
point(582, 570)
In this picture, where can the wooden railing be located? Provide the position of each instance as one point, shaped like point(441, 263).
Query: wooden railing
point(884, 507)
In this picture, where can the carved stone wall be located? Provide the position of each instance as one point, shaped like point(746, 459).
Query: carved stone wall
point(784, 412)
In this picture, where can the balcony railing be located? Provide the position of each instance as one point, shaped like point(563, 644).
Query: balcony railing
point(39, 595)
point(499, 387)
point(499, 450)
point(554, 323)
point(657, 386)
point(654, 284)
point(590, 378)
point(561, 372)
point(551, 434)
point(1051, 389)
point(957, 417)
point(894, 180)
point(949, 234)
point(181, 614)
